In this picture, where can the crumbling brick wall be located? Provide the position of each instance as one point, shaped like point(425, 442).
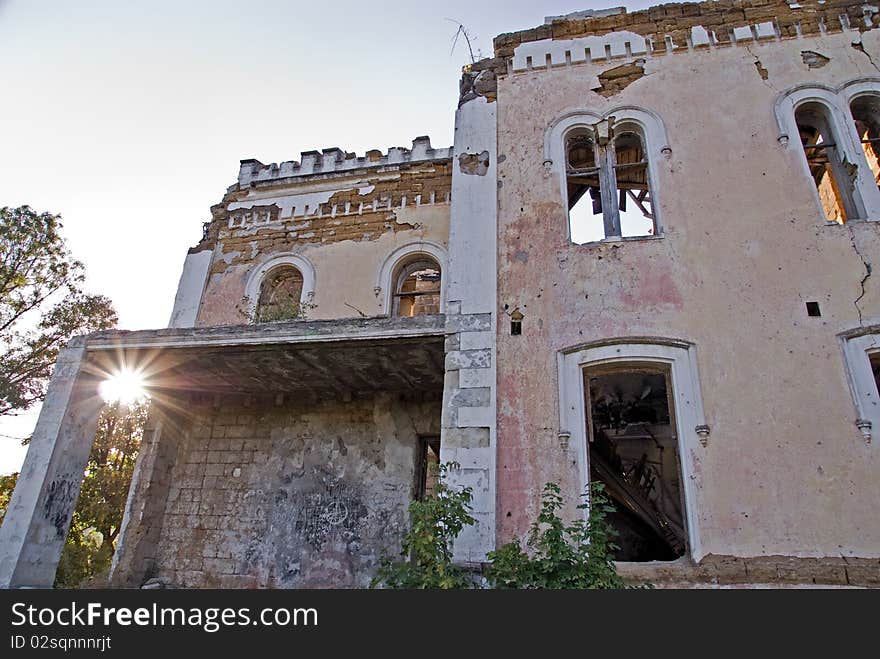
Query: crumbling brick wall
point(675, 20)
point(345, 222)
point(309, 493)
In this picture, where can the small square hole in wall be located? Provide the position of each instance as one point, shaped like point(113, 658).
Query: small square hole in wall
point(813, 309)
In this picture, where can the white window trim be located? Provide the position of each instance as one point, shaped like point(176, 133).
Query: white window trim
point(836, 100)
point(385, 283)
point(681, 358)
point(653, 133)
point(258, 274)
point(857, 350)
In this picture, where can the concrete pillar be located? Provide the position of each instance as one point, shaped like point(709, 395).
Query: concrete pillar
point(39, 514)
point(468, 423)
point(190, 288)
point(136, 550)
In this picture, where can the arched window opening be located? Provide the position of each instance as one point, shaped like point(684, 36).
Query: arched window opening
point(417, 290)
point(608, 183)
point(280, 295)
point(633, 190)
point(584, 196)
point(866, 116)
point(828, 169)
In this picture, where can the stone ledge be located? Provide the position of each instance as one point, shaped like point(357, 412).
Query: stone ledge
point(293, 331)
point(763, 571)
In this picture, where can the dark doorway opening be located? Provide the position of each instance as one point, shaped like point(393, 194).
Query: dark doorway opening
point(633, 451)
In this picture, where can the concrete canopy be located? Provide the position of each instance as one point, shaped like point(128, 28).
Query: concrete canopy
point(314, 359)
point(375, 354)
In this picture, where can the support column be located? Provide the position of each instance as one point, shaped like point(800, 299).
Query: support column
point(39, 515)
point(190, 289)
point(136, 550)
point(468, 424)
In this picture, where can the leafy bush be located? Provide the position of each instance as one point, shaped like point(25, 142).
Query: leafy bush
point(287, 309)
point(575, 556)
point(435, 522)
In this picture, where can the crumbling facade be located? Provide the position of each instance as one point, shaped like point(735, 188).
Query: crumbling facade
point(646, 260)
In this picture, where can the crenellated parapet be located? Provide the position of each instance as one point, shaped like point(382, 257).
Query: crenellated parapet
point(335, 161)
point(676, 28)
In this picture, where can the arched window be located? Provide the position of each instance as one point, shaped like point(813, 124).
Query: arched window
point(280, 295)
point(607, 182)
point(866, 117)
point(827, 166)
point(417, 288)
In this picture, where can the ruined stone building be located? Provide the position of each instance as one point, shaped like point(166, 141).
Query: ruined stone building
point(646, 260)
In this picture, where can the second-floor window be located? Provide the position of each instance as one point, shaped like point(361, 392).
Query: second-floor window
point(607, 179)
point(417, 288)
point(826, 160)
point(280, 295)
point(865, 112)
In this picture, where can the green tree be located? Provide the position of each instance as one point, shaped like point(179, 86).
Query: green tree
point(578, 555)
point(98, 515)
point(435, 521)
point(42, 304)
point(7, 484)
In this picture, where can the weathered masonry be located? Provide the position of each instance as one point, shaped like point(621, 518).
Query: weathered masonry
point(646, 260)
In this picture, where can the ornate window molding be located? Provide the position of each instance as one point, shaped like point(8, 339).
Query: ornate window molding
point(693, 432)
point(835, 102)
point(861, 348)
point(616, 122)
point(258, 274)
point(386, 279)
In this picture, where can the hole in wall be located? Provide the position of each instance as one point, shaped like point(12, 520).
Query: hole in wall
point(813, 309)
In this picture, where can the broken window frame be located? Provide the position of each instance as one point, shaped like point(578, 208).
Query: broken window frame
point(870, 103)
point(835, 104)
point(828, 141)
point(407, 269)
point(603, 137)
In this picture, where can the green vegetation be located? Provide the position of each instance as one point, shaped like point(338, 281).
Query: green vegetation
point(42, 304)
point(557, 555)
point(435, 521)
point(97, 518)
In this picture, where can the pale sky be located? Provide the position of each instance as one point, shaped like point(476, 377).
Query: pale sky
point(129, 119)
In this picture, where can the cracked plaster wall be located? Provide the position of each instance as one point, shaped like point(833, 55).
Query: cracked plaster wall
point(744, 247)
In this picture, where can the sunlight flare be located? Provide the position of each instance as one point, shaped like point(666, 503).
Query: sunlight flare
point(126, 387)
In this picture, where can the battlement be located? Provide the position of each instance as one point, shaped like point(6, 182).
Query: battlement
point(678, 27)
point(335, 160)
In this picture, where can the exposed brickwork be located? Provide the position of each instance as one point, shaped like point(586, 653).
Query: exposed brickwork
point(304, 494)
point(618, 78)
point(720, 16)
point(352, 213)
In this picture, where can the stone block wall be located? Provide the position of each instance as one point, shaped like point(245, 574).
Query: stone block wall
point(302, 494)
